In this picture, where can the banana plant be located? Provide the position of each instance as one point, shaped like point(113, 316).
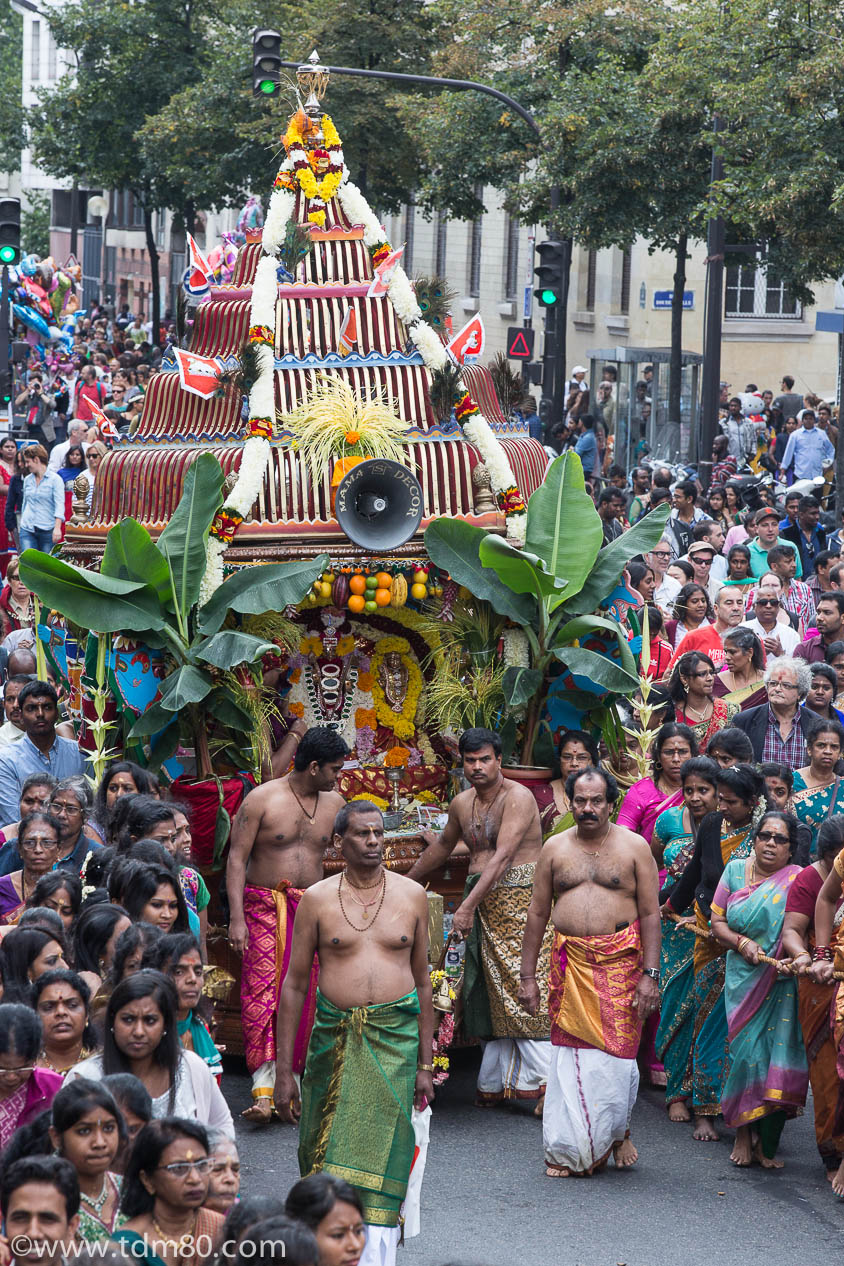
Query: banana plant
point(149, 590)
point(552, 588)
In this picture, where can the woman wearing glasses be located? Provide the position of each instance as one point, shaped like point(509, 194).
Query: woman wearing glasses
point(142, 1038)
point(768, 1074)
point(164, 1190)
point(38, 845)
point(25, 1090)
point(818, 792)
point(691, 689)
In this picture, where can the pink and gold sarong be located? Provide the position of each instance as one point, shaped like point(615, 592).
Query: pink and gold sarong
point(592, 987)
point(593, 1079)
point(269, 914)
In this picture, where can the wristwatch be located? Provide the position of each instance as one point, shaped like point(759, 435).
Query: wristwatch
point(653, 972)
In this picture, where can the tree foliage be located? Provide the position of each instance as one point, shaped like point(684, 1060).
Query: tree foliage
point(11, 109)
point(35, 223)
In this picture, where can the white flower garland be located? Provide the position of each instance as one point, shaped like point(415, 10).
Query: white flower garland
point(476, 429)
point(515, 649)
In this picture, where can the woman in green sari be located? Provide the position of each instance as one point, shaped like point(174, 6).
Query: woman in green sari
point(672, 845)
point(818, 792)
point(692, 1036)
point(769, 1075)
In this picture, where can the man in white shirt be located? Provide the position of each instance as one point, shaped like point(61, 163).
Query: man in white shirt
point(76, 432)
point(10, 730)
point(667, 588)
point(701, 555)
point(770, 623)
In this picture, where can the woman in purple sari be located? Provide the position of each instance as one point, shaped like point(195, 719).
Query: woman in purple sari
point(769, 1075)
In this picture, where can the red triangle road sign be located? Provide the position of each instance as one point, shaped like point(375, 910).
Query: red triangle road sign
point(520, 343)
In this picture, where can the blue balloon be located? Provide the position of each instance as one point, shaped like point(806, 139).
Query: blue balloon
point(31, 318)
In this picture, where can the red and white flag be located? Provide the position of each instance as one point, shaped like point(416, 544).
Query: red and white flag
point(383, 273)
point(468, 344)
point(199, 272)
point(348, 335)
point(105, 424)
point(198, 374)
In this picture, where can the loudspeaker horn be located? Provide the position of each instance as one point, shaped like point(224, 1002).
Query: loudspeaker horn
point(379, 504)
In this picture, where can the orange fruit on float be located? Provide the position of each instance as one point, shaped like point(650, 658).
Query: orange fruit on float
point(356, 603)
point(382, 597)
point(357, 584)
point(384, 580)
point(419, 592)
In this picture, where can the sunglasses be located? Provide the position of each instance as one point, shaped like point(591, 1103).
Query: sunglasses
point(772, 837)
point(767, 602)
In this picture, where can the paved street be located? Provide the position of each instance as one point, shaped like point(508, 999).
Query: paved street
point(486, 1201)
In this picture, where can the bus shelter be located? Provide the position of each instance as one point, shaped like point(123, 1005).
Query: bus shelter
point(637, 411)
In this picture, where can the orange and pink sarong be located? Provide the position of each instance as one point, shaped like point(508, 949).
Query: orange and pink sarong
point(595, 1034)
point(269, 914)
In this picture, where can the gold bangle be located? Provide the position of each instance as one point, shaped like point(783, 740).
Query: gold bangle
point(425, 1068)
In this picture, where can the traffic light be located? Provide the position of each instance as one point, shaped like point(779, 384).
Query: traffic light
point(5, 387)
point(10, 230)
point(266, 63)
point(551, 273)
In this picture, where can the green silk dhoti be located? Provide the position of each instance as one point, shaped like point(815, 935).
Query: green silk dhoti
point(357, 1097)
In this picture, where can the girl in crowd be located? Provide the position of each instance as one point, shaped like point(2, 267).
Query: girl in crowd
point(818, 792)
point(733, 505)
point(141, 1037)
point(815, 1001)
point(61, 1002)
point(768, 1075)
point(822, 692)
point(38, 845)
point(649, 797)
point(144, 818)
point(661, 653)
point(149, 893)
point(133, 944)
point(716, 507)
point(730, 747)
point(25, 1090)
point(693, 1037)
point(691, 688)
point(576, 750)
point(224, 1184)
point(739, 573)
point(673, 845)
point(25, 954)
point(133, 1099)
point(178, 957)
point(121, 778)
point(97, 931)
point(87, 1130)
point(692, 610)
point(779, 780)
point(741, 681)
point(193, 886)
point(643, 580)
point(164, 1191)
point(333, 1211)
point(58, 890)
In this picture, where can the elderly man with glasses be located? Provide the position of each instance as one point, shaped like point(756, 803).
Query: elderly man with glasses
point(666, 588)
point(779, 728)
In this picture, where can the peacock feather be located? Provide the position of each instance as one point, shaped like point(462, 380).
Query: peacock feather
point(508, 385)
point(245, 373)
point(435, 297)
point(444, 391)
point(297, 245)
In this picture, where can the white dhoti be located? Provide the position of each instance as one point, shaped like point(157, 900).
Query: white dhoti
point(381, 1245)
point(588, 1105)
point(514, 1068)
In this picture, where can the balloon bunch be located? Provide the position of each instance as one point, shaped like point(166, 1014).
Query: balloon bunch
point(45, 299)
point(222, 259)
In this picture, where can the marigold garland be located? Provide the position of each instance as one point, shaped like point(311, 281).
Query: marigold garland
point(262, 427)
point(225, 525)
point(318, 192)
point(403, 724)
point(261, 334)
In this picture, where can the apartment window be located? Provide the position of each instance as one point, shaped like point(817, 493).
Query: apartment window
point(624, 297)
point(137, 214)
point(440, 245)
point(591, 270)
point(511, 259)
point(51, 55)
point(751, 293)
point(475, 247)
point(35, 52)
point(408, 234)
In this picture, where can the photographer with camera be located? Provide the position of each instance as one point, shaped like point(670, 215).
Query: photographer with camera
point(38, 406)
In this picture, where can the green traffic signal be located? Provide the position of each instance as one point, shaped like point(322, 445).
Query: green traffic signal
point(8, 254)
point(267, 86)
point(548, 298)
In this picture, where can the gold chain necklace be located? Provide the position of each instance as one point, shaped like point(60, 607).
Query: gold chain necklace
point(310, 816)
point(360, 887)
point(182, 1249)
point(366, 912)
point(589, 852)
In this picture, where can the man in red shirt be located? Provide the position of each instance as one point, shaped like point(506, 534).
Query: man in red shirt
point(88, 389)
point(729, 613)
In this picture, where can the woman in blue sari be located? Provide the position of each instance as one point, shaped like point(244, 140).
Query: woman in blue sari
point(818, 792)
point(672, 845)
point(769, 1075)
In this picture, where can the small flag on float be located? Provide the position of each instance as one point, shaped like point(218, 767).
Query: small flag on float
point(198, 374)
point(199, 272)
point(105, 424)
point(383, 273)
point(468, 344)
point(348, 335)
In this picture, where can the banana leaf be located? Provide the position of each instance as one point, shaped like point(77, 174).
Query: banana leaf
point(132, 554)
point(106, 604)
point(226, 649)
point(520, 571)
point(254, 590)
point(183, 540)
point(454, 545)
point(604, 672)
point(563, 527)
point(613, 558)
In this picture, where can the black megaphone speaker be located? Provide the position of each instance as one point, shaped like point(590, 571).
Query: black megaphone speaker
point(379, 504)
